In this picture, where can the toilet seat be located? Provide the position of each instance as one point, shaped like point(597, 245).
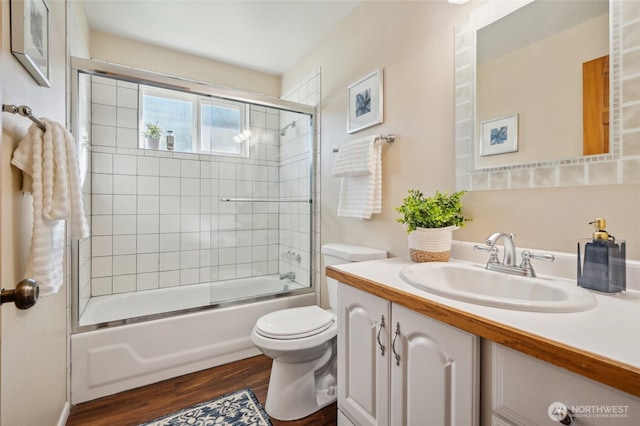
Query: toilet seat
point(294, 323)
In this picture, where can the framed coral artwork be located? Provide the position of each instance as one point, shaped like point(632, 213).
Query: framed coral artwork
point(499, 136)
point(365, 102)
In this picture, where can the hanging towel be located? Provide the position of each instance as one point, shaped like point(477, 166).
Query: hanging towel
point(49, 159)
point(359, 165)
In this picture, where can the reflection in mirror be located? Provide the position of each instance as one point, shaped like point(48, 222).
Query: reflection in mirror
point(530, 63)
point(618, 165)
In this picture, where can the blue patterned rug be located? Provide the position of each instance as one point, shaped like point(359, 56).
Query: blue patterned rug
point(234, 409)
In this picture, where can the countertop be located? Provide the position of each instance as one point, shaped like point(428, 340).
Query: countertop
point(602, 344)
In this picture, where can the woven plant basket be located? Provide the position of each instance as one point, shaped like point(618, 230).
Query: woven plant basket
point(431, 244)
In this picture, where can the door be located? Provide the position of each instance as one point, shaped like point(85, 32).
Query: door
point(434, 372)
point(595, 106)
point(363, 356)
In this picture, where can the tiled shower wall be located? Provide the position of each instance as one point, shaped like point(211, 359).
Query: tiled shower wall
point(157, 217)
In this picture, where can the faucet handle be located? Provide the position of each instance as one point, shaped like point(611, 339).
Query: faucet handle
point(526, 261)
point(492, 249)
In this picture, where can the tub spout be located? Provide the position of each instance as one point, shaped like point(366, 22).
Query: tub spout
point(288, 276)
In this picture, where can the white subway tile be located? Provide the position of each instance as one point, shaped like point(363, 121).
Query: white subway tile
point(101, 246)
point(124, 283)
point(124, 184)
point(127, 118)
point(124, 224)
point(147, 263)
point(101, 286)
point(124, 244)
point(170, 167)
point(125, 164)
point(170, 261)
point(101, 162)
point(189, 276)
point(127, 138)
point(148, 204)
point(103, 114)
point(190, 168)
point(169, 223)
point(101, 225)
point(169, 242)
point(124, 204)
point(148, 166)
point(148, 243)
point(124, 265)
point(169, 279)
point(127, 98)
point(169, 204)
point(148, 224)
point(147, 281)
point(148, 185)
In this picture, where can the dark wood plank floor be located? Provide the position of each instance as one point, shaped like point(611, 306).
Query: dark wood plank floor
point(149, 402)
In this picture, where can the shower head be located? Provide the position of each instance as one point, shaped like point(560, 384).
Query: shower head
point(284, 130)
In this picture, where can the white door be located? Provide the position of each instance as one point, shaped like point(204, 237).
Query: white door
point(434, 372)
point(363, 356)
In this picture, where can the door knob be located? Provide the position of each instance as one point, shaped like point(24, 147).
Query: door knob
point(24, 296)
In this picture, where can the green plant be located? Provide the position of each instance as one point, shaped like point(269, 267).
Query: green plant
point(153, 130)
point(439, 211)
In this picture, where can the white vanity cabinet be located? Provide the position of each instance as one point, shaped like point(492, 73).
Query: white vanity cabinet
point(518, 390)
point(397, 367)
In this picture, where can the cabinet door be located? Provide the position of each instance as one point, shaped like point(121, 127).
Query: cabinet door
point(524, 390)
point(435, 378)
point(363, 368)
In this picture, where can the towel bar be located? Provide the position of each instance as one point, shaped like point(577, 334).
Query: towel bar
point(385, 138)
point(24, 111)
point(24, 296)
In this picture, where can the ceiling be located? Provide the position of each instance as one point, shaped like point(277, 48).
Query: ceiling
point(263, 35)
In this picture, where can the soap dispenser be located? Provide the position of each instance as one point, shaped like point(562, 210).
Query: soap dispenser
point(601, 261)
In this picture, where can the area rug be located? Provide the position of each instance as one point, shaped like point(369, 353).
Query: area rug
point(238, 408)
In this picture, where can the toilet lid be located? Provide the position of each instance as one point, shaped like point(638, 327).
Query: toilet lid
point(294, 323)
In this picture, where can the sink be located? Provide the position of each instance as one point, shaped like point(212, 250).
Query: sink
point(474, 284)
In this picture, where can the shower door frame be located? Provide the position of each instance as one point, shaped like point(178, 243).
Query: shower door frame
point(138, 76)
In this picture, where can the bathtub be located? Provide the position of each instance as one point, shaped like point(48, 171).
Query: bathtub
point(113, 359)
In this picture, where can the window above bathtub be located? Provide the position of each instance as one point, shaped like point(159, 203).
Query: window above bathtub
point(200, 124)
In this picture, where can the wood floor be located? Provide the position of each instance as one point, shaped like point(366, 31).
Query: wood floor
point(149, 402)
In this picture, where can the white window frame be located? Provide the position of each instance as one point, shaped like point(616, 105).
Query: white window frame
point(243, 109)
point(196, 126)
point(168, 94)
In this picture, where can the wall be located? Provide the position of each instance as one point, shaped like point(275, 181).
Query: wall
point(417, 55)
point(34, 342)
point(119, 50)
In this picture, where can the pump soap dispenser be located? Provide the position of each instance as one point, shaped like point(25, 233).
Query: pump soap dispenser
point(601, 261)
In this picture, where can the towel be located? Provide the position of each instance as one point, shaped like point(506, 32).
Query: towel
point(359, 165)
point(49, 159)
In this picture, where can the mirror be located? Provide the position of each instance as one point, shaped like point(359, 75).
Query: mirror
point(549, 151)
point(530, 63)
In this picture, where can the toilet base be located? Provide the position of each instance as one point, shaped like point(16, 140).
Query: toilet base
point(299, 389)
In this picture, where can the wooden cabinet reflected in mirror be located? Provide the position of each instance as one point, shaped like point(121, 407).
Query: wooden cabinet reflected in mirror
point(595, 106)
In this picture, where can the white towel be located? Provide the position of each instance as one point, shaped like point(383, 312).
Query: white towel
point(359, 165)
point(49, 159)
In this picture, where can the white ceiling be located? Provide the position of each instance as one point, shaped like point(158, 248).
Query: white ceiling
point(264, 35)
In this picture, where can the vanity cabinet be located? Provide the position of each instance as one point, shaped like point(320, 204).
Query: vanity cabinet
point(519, 390)
point(397, 367)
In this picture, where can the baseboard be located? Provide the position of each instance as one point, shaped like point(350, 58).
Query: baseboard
point(64, 415)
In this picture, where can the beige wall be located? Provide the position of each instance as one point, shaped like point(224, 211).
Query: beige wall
point(123, 51)
point(34, 342)
point(414, 43)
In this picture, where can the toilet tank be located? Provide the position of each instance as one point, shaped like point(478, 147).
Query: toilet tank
point(338, 253)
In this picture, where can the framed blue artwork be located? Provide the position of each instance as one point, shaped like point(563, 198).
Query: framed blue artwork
point(365, 102)
point(499, 136)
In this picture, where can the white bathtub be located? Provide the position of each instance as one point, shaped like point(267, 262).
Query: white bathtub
point(115, 307)
point(111, 360)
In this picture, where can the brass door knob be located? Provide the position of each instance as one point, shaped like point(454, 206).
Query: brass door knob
point(24, 296)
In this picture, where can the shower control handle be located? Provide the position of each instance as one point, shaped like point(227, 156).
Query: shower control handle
point(24, 296)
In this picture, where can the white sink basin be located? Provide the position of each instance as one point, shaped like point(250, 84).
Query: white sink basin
point(474, 284)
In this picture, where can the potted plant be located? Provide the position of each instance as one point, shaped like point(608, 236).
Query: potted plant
point(152, 135)
point(430, 222)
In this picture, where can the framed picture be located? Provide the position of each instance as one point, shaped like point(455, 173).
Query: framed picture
point(499, 136)
point(30, 37)
point(365, 102)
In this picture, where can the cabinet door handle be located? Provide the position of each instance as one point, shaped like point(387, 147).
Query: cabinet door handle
point(378, 336)
point(393, 343)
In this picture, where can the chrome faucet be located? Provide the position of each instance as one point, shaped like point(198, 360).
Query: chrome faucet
point(288, 276)
point(508, 264)
point(509, 247)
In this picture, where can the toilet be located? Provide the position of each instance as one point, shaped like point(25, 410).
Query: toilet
point(302, 344)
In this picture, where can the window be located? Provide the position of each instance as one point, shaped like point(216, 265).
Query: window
point(200, 124)
point(222, 127)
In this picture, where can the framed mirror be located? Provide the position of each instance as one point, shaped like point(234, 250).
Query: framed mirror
point(549, 153)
